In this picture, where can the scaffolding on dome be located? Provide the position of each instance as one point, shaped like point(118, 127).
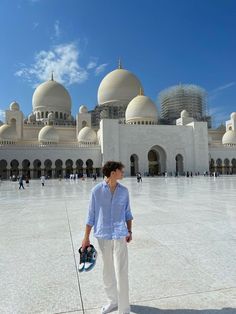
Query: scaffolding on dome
point(183, 97)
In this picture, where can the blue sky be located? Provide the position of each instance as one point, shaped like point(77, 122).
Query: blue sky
point(163, 42)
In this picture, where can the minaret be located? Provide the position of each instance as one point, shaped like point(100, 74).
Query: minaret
point(52, 76)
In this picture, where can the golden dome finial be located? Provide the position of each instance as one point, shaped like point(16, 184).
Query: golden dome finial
point(119, 64)
point(140, 91)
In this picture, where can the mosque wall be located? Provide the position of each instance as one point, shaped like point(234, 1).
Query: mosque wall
point(200, 142)
point(110, 143)
point(66, 134)
point(51, 152)
point(222, 153)
point(124, 140)
point(31, 133)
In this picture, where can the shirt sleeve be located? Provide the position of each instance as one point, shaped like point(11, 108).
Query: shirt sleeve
point(128, 214)
point(91, 211)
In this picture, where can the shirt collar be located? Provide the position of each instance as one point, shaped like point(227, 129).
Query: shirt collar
point(107, 186)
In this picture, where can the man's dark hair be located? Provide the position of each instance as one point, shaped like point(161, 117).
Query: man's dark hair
point(111, 166)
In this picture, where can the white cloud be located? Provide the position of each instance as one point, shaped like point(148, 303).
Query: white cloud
point(220, 88)
point(217, 91)
point(62, 60)
point(35, 25)
point(57, 29)
point(2, 115)
point(91, 65)
point(100, 68)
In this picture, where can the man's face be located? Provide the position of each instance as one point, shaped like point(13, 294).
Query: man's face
point(118, 174)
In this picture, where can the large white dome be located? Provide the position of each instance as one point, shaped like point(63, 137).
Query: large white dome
point(87, 136)
point(119, 85)
point(48, 134)
point(229, 138)
point(141, 109)
point(51, 96)
point(8, 132)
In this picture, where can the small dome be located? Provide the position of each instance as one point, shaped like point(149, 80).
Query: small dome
point(8, 132)
point(31, 117)
point(229, 138)
point(87, 135)
point(51, 116)
point(51, 96)
point(14, 106)
point(184, 114)
point(233, 116)
point(141, 108)
point(83, 109)
point(118, 85)
point(48, 134)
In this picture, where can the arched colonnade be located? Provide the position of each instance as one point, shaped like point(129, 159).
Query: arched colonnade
point(36, 168)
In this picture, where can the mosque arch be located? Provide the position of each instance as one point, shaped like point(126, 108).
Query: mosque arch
point(179, 165)
point(26, 168)
point(48, 168)
point(89, 167)
point(233, 162)
point(37, 168)
point(14, 171)
point(3, 169)
point(69, 167)
point(212, 165)
point(156, 160)
point(219, 165)
point(58, 168)
point(133, 164)
point(79, 167)
point(226, 166)
point(13, 121)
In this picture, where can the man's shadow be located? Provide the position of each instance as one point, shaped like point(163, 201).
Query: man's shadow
point(141, 309)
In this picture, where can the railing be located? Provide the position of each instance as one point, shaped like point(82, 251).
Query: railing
point(46, 146)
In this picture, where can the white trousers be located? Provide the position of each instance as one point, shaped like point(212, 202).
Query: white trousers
point(115, 272)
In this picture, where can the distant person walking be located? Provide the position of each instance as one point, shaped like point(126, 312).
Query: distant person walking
point(42, 180)
point(21, 181)
point(110, 215)
point(139, 177)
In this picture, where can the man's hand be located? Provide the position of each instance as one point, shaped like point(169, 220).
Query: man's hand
point(129, 237)
point(85, 243)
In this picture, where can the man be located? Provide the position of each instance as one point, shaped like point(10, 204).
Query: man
point(110, 215)
point(21, 180)
point(42, 178)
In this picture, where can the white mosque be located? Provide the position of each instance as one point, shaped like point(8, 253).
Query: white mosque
point(124, 126)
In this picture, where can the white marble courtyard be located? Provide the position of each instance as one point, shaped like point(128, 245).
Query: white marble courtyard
point(182, 258)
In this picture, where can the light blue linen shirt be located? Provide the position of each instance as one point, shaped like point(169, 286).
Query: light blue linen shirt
point(109, 212)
